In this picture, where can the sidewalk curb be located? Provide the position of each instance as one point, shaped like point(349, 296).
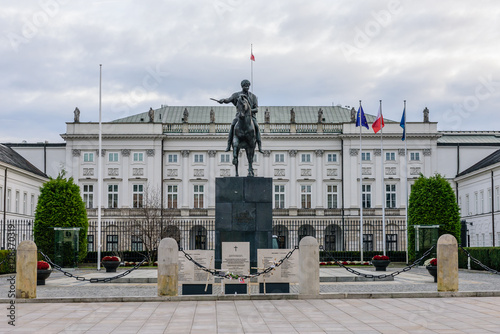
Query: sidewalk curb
point(457, 294)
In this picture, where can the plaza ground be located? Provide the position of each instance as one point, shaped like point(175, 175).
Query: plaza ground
point(66, 305)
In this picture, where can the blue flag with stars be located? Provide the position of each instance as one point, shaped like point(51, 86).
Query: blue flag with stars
point(361, 119)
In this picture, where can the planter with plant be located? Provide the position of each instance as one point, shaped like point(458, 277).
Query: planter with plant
point(43, 271)
point(111, 263)
point(380, 262)
point(431, 266)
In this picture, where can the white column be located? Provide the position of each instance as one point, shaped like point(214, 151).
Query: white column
point(293, 183)
point(185, 179)
point(211, 179)
point(266, 164)
point(319, 179)
point(125, 172)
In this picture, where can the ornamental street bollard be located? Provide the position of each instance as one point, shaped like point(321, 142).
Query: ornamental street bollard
point(26, 259)
point(168, 268)
point(308, 266)
point(447, 263)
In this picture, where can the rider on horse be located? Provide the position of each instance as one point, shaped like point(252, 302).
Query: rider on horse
point(252, 100)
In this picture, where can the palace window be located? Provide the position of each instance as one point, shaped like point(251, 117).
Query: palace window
point(88, 195)
point(136, 243)
point(368, 242)
point(414, 156)
point(112, 243)
point(365, 156)
point(198, 158)
point(138, 195)
point(279, 157)
point(90, 243)
point(366, 194)
point(25, 203)
point(305, 196)
point(113, 157)
point(305, 157)
point(279, 196)
point(331, 196)
point(331, 157)
point(225, 158)
point(390, 156)
point(390, 196)
point(172, 158)
point(88, 157)
point(391, 242)
point(112, 196)
point(172, 196)
point(138, 157)
point(198, 196)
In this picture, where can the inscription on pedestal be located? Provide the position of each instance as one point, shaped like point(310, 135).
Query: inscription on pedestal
point(288, 272)
point(236, 257)
point(190, 273)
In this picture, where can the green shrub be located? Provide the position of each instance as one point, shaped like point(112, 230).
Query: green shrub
point(489, 256)
point(5, 268)
point(59, 205)
point(432, 202)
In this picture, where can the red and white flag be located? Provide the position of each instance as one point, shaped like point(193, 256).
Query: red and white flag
point(379, 122)
point(252, 56)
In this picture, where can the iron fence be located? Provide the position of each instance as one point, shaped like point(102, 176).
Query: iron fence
point(338, 238)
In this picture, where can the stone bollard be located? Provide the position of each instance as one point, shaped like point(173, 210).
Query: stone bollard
point(168, 268)
point(447, 263)
point(308, 266)
point(26, 270)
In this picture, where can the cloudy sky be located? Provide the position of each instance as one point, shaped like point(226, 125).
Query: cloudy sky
point(443, 55)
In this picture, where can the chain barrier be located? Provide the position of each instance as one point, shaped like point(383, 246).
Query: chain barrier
point(8, 257)
point(91, 280)
point(408, 268)
point(476, 261)
point(229, 275)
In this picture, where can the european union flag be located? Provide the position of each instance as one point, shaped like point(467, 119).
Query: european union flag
point(361, 119)
point(403, 124)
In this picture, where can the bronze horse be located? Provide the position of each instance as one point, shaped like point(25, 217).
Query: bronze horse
point(244, 133)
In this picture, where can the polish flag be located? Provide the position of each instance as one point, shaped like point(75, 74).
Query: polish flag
point(379, 122)
point(252, 57)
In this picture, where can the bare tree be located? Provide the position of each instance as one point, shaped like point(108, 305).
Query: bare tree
point(152, 226)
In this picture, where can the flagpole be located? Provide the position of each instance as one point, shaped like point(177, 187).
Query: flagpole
point(360, 186)
point(383, 184)
point(99, 172)
point(406, 182)
point(251, 65)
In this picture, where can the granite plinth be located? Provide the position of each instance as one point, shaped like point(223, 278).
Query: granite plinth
point(243, 213)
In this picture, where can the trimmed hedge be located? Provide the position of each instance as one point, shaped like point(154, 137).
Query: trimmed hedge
point(128, 256)
point(5, 268)
point(489, 256)
point(394, 256)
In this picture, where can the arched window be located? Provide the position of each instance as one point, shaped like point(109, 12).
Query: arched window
point(281, 232)
point(198, 237)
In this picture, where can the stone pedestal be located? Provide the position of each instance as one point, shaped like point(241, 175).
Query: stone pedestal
point(309, 266)
point(168, 268)
point(26, 260)
point(243, 213)
point(447, 263)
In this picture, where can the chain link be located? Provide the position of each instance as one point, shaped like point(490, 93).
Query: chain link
point(91, 280)
point(8, 257)
point(476, 261)
point(405, 269)
point(223, 274)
